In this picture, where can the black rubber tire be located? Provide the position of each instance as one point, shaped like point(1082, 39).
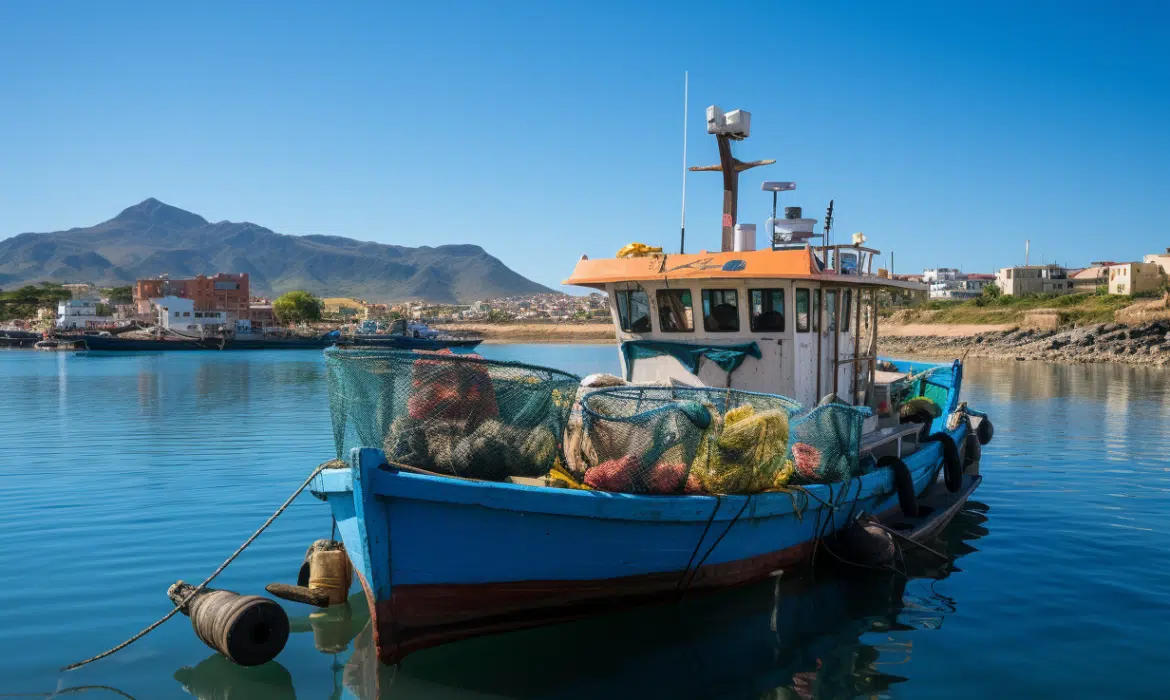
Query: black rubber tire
point(903, 483)
point(924, 419)
point(974, 450)
point(952, 464)
point(985, 430)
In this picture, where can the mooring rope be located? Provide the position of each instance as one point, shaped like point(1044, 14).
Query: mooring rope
point(320, 468)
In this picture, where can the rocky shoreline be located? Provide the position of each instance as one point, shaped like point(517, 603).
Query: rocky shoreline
point(1145, 344)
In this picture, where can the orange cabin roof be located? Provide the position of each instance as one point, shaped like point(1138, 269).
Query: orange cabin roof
point(730, 265)
point(798, 263)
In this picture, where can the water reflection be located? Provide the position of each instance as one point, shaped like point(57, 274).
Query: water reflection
point(216, 678)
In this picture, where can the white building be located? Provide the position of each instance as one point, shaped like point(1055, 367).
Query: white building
point(179, 314)
point(950, 283)
point(79, 313)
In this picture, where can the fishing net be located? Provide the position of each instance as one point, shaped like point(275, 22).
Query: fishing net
point(825, 444)
point(459, 415)
point(664, 440)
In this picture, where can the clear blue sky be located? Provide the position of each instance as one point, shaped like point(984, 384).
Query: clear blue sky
point(947, 132)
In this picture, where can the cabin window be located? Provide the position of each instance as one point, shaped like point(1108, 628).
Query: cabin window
point(767, 310)
point(847, 310)
point(675, 311)
point(802, 311)
point(816, 311)
point(721, 310)
point(633, 310)
point(831, 309)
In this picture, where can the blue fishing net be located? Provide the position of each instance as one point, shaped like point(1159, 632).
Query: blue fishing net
point(458, 415)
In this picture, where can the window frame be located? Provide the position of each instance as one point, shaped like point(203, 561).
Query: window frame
point(831, 310)
point(807, 294)
point(658, 298)
point(847, 310)
point(706, 295)
point(625, 322)
point(816, 310)
point(768, 292)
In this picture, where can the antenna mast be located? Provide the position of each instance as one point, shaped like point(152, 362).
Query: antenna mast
point(828, 224)
point(682, 237)
point(732, 126)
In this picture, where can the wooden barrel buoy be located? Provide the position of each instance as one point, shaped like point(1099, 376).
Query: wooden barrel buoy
point(327, 571)
point(248, 630)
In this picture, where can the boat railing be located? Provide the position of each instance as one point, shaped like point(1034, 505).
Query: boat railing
point(847, 259)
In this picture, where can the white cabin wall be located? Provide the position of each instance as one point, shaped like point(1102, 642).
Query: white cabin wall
point(772, 373)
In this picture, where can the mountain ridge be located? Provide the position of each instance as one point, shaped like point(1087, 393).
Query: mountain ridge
point(152, 238)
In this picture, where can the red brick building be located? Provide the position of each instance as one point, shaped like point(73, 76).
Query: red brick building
point(221, 292)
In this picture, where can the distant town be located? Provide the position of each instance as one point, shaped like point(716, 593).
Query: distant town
point(212, 304)
point(223, 301)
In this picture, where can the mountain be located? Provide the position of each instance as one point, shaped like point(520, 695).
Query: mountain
point(152, 238)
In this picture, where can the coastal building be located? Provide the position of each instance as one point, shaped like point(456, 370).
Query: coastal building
point(1135, 278)
point(950, 283)
point(1162, 260)
point(1091, 279)
point(1033, 279)
point(262, 317)
point(226, 292)
point(180, 315)
point(80, 313)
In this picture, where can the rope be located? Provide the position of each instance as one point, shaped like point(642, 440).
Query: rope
point(320, 468)
point(718, 505)
point(695, 571)
point(911, 540)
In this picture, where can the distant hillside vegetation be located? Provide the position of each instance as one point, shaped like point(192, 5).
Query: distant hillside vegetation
point(153, 238)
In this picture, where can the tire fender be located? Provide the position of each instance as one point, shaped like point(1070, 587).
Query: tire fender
point(985, 430)
point(903, 484)
point(952, 464)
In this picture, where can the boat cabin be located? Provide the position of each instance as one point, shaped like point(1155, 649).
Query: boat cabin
point(798, 322)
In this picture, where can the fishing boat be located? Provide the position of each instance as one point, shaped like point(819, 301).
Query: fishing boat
point(783, 338)
point(16, 338)
point(410, 336)
point(174, 341)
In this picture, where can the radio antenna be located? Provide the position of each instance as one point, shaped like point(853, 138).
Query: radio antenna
point(828, 223)
point(682, 237)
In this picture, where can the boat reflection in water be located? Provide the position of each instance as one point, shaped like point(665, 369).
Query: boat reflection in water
point(798, 637)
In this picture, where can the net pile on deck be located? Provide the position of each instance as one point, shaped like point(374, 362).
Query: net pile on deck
point(669, 440)
point(465, 416)
point(458, 415)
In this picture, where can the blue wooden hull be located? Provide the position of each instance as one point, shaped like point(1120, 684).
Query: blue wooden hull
point(442, 558)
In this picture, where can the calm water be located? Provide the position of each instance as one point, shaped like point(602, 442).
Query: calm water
point(122, 474)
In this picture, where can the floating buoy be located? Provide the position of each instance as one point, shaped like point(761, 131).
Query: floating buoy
point(248, 630)
point(326, 570)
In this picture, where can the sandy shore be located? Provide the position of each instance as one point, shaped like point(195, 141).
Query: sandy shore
point(940, 330)
point(535, 332)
